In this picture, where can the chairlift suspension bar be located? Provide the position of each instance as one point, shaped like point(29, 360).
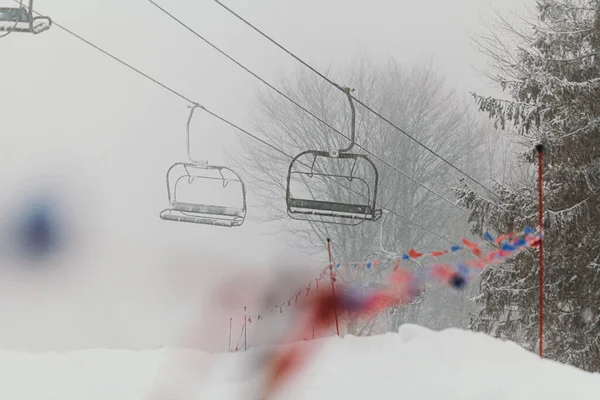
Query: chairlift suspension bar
point(348, 90)
point(383, 251)
point(187, 126)
point(392, 255)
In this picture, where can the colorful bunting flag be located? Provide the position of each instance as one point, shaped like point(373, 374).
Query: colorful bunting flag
point(456, 276)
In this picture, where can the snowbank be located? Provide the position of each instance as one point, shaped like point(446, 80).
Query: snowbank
point(416, 363)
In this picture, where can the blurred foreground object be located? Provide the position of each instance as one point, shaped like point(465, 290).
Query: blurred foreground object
point(403, 287)
point(319, 315)
point(38, 228)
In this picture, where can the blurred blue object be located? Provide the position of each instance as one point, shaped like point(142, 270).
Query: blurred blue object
point(38, 231)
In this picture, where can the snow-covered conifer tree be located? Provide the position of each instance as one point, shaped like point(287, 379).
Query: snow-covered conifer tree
point(553, 79)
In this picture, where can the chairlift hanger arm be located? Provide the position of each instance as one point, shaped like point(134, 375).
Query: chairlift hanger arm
point(193, 108)
point(348, 92)
point(381, 249)
point(389, 253)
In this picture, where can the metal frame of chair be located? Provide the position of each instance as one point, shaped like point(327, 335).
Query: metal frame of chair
point(389, 256)
point(199, 213)
point(23, 15)
point(328, 211)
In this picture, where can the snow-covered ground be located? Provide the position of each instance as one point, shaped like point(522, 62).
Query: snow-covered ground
point(415, 363)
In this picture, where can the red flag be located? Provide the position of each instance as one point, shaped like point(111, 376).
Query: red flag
point(476, 263)
point(414, 254)
point(443, 271)
point(473, 246)
point(439, 253)
point(502, 238)
point(534, 241)
point(469, 244)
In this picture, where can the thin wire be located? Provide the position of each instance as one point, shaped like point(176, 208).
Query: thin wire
point(357, 100)
point(304, 108)
point(120, 61)
point(180, 95)
point(173, 91)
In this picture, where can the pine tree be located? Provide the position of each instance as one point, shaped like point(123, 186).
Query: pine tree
point(553, 79)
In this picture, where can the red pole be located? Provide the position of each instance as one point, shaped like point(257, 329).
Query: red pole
point(337, 326)
point(230, 323)
point(540, 149)
point(245, 329)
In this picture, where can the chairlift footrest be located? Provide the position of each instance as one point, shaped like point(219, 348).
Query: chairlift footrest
point(168, 215)
point(320, 207)
point(207, 209)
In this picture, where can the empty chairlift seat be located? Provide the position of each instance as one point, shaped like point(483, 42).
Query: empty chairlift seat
point(333, 186)
point(346, 194)
point(205, 194)
point(198, 204)
point(21, 19)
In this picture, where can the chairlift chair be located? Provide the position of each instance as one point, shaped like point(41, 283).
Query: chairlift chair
point(202, 212)
point(392, 256)
point(310, 208)
point(21, 19)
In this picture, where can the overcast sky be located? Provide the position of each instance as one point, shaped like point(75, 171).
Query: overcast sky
point(105, 136)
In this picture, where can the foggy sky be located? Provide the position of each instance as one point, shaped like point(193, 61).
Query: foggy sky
point(105, 137)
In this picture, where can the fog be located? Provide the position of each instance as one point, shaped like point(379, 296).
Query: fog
point(98, 139)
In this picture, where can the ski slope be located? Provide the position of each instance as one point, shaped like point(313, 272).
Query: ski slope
point(415, 363)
